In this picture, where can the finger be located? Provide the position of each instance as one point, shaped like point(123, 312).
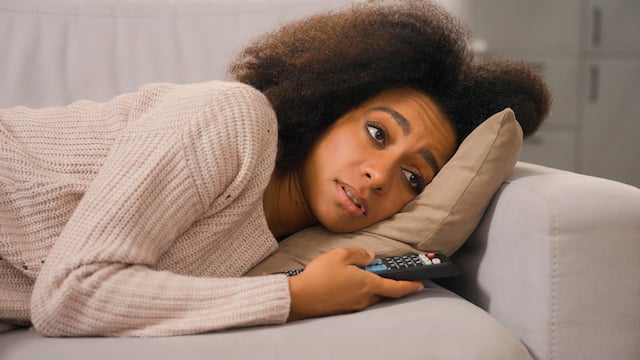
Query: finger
point(398, 288)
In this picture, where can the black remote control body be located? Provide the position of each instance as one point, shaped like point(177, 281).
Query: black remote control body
point(409, 267)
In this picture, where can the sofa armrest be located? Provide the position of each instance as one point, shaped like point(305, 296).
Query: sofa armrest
point(556, 259)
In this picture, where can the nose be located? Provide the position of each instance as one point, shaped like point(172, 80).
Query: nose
point(378, 173)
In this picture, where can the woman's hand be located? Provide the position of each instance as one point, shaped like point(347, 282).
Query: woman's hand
point(333, 283)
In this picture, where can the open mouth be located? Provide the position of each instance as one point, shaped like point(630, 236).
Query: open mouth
point(351, 201)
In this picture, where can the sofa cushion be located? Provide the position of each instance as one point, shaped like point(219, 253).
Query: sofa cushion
point(433, 324)
point(440, 219)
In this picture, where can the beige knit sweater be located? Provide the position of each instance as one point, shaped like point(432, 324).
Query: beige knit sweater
point(136, 217)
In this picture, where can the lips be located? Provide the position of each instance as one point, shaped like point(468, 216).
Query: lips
point(351, 201)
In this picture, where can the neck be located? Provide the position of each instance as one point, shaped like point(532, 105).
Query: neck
point(285, 206)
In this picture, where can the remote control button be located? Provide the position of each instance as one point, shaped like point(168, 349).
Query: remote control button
point(375, 268)
point(425, 259)
point(431, 255)
point(291, 272)
point(436, 261)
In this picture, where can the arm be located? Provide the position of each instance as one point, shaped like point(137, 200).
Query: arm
point(99, 278)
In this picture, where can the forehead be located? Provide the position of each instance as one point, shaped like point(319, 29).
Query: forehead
point(406, 99)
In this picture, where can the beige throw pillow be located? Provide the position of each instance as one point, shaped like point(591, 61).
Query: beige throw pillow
point(440, 219)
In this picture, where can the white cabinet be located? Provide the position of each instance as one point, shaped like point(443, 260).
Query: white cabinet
point(555, 148)
point(610, 142)
point(589, 54)
point(534, 25)
point(613, 27)
point(609, 145)
point(545, 34)
point(555, 144)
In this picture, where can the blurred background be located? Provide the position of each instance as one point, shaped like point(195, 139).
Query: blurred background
point(589, 53)
point(59, 51)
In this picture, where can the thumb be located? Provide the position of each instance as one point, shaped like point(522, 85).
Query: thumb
point(358, 256)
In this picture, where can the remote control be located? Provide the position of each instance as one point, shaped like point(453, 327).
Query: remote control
point(408, 267)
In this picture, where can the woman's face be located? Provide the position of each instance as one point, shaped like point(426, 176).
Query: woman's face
point(375, 159)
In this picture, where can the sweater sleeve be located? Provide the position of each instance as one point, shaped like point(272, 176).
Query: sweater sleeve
point(99, 278)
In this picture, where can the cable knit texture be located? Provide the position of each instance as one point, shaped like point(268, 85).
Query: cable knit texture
point(137, 217)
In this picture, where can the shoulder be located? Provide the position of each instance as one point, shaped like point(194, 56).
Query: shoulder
point(205, 108)
point(224, 96)
point(234, 95)
point(230, 139)
point(233, 118)
point(231, 103)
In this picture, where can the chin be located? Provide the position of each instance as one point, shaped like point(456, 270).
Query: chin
point(341, 228)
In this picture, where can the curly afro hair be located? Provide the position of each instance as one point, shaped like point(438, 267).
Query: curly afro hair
point(316, 69)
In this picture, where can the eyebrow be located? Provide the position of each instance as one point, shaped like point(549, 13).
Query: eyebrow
point(399, 118)
point(403, 123)
point(431, 160)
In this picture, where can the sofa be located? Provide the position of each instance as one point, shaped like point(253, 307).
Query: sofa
point(552, 271)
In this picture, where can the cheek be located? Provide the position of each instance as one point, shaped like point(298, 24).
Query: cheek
point(392, 204)
point(341, 148)
point(342, 141)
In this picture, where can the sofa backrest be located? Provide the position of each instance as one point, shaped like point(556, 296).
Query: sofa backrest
point(56, 52)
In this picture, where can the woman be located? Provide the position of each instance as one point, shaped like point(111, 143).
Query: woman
point(136, 217)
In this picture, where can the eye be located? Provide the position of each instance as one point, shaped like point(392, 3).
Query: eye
point(377, 133)
point(415, 181)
